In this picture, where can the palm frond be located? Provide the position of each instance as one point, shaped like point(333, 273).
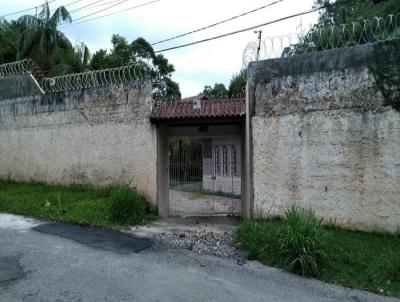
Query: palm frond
point(84, 53)
point(27, 41)
point(60, 15)
point(62, 41)
point(28, 21)
point(60, 69)
point(45, 12)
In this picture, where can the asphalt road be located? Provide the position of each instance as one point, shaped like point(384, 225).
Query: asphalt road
point(51, 265)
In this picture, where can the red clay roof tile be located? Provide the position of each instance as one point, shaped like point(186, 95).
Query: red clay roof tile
point(209, 109)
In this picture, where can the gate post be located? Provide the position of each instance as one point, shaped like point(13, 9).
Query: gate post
point(248, 198)
point(162, 171)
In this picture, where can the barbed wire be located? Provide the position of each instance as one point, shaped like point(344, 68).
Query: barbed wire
point(324, 37)
point(96, 78)
point(21, 67)
point(137, 72)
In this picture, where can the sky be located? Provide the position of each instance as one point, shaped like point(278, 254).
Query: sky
point(198, 65)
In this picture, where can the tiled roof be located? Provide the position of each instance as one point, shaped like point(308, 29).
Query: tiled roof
point(208, 109)
point(196, 97)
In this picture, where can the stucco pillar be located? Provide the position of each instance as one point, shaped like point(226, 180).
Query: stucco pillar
point(162, 171)
point(247, 199)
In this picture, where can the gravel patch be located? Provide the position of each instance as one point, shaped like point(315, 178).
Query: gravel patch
point(204, 242)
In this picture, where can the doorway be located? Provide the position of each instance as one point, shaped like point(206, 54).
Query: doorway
point(204, 176)
point(200, 170)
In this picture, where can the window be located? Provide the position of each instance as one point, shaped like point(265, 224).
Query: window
point(233, 161)
point(225, 161)
point(207, 148)
point(217, 164)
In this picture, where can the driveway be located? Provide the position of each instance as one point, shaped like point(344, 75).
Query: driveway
point(53, 263)
point(186, 203)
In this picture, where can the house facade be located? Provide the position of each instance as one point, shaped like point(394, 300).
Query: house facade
point(222, 165)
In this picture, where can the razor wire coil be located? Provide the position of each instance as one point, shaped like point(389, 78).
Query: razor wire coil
point(325, 37)
point(137, 72)
point(96, 78)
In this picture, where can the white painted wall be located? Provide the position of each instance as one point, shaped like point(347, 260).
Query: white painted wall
point(98, 137)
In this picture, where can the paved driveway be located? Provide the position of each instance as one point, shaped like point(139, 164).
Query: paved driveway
point(191, 204)
point(38, 266)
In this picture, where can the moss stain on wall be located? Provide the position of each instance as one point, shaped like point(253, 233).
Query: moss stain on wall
point(386, 69)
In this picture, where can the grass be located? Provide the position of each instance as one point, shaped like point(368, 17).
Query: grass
point(302, 241)
point(72, 204)
point(353, 259)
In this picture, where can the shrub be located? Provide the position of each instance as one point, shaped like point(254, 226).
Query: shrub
point(302, 241)
point(127, 206)
point(260, 238)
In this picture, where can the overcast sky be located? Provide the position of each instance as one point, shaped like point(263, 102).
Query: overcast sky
point(197, 65)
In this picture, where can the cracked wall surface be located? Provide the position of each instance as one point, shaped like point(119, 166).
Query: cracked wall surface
point(322, 137)
point(98, 136)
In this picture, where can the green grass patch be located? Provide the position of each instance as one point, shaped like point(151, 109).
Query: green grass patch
point(72, 204)
point(353, 259)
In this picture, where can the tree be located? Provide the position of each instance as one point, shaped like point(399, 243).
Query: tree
point(40, 39)
point(70, 60)
point(219, 91)
point(139, 51)
point(9, 32)
point(330, 33)
point(237, 86)
point(344, 11)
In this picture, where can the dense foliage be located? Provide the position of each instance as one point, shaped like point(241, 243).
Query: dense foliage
point(73, 204)
point(139, 50)
point(9, 33)
point(354, 259)
point(127, 206)
point(344, 11)
point(39, 38)
point(236, 88)
point(219, 91)
point(336, 27)
point(302, 241)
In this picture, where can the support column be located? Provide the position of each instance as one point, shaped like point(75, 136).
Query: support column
point(248, 201)
point(162, 171)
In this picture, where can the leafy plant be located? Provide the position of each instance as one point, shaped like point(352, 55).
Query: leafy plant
point(40, 37)
point(367, 261)
point(301, 239)
point(127, 206)
point(260, 238)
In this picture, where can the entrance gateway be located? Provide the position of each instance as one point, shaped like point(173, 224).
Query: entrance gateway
point(199, 157)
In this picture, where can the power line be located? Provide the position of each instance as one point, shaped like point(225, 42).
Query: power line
point(113, 13)
point(26, 10)
point(241, 30)
point(73, 2)
point(68, 4)
point(99, 11)
point(91, 5)
point(218, 23)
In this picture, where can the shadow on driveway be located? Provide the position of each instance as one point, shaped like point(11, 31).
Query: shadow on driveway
point(101, 238)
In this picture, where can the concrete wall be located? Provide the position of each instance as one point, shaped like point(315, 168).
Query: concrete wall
point(97, 136)
point(324, 135)
point(21, 85)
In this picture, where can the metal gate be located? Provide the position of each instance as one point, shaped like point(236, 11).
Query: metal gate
point(204, 176)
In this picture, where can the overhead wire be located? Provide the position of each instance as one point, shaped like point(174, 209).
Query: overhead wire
point(218, 23)
point(112, 13)
point(99, 11)
point(73, 2)
point(92, 5)
point(26, 10)
point(240, 30)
